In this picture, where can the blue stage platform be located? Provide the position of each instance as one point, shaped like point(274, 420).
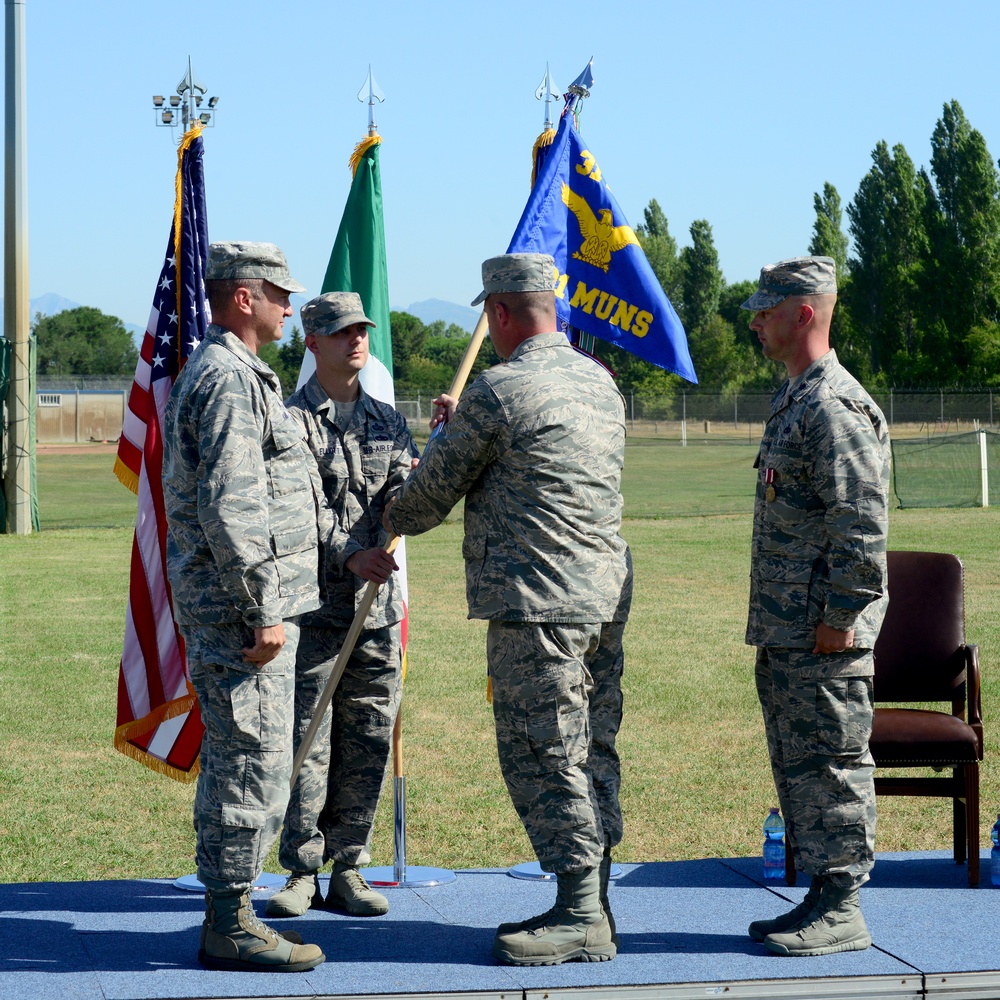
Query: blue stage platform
point(682, 925)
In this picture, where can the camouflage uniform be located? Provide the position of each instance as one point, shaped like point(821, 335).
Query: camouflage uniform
point(818, 555)
point(536, 448)
point(247, 524)
point(332, 807)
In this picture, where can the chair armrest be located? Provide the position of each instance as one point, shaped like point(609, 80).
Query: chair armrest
point(972, 690)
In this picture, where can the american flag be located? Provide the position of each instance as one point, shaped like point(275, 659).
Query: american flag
point(159, 723)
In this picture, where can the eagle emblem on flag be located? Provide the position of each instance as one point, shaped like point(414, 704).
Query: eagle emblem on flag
point(601, 237)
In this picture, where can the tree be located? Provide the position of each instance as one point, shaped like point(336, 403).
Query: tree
point(887, 225)
point(409, 335)
point(751, 370)
point(661, 250)
point(828, 239)
point(293, 351)
point(84, 341)
point(701, 279)
point(962, 269)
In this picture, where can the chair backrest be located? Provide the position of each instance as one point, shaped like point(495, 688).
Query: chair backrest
point(919, 652)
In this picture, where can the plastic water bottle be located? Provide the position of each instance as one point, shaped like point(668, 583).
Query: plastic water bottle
point(995, 853)
point(774, 845)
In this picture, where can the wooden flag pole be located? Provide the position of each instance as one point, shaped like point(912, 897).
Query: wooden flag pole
point(338, 670)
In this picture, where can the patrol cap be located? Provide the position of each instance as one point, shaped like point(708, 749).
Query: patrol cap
point(332, 311)
point(795, 276)
point(517, 272)
point(228, 261)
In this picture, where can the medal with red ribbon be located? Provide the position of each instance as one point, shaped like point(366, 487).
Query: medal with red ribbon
point(770, 493)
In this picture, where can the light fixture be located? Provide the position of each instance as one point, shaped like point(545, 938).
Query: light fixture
point(184, 106)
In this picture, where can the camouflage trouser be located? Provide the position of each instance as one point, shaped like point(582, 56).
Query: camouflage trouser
point(246, 753)
point(557, 705)
point(818, 717)
point(332, 807)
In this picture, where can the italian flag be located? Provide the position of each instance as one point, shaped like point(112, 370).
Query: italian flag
point(357, 264)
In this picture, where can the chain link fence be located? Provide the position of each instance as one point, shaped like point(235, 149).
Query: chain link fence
point(727, 417)
point(686, 416)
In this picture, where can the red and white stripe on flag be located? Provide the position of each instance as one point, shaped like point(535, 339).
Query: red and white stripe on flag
point(158, 721)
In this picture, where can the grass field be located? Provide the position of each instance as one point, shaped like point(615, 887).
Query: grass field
point(696, 779)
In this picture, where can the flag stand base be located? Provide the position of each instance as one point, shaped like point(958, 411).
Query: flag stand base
point(267, 880)
point(416, 877)
point(398, 875)
point(533, 870)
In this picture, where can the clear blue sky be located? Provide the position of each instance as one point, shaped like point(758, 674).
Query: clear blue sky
point(734, 112)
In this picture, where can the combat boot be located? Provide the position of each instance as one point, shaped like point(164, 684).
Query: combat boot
point(835, 924)
point(576, 927)
point(350, 893)
point(760, 929)
point(233, 939)
point(605, 882)
point(301, 888)
point(532, 923)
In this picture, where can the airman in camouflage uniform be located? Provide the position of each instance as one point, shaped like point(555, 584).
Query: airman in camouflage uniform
point(364, 451)
point(536, 448)
point(247, 522)
point(817, 599)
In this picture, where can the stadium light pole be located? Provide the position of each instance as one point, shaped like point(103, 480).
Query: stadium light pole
point(183, 107)
point(17, 478)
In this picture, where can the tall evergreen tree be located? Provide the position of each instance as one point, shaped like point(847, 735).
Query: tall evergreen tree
point(660, 249)
point(887, 225)
point(701, 278)
point(828, 239)
point(962, 291)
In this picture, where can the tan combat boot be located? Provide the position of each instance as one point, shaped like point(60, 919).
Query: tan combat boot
point(605, 870)
point(835, 924)
point(301, 888)
point(577, 927)
point(233, 939)
point(760, 929)
point(350, 893)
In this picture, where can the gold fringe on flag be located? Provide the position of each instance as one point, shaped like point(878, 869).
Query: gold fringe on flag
point(140, 727)
point(360, 149)
point(126, 476)
point(192, 133)
point(545, 139)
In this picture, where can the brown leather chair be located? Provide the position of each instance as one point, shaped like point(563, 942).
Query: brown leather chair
point(921, 656)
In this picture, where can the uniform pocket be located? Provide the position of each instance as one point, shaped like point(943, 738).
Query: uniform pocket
point(558, 731)
point(843, 715)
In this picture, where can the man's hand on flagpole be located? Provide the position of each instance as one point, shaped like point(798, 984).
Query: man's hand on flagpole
point(268, 641)
point(444, 409)
point(372, 564)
